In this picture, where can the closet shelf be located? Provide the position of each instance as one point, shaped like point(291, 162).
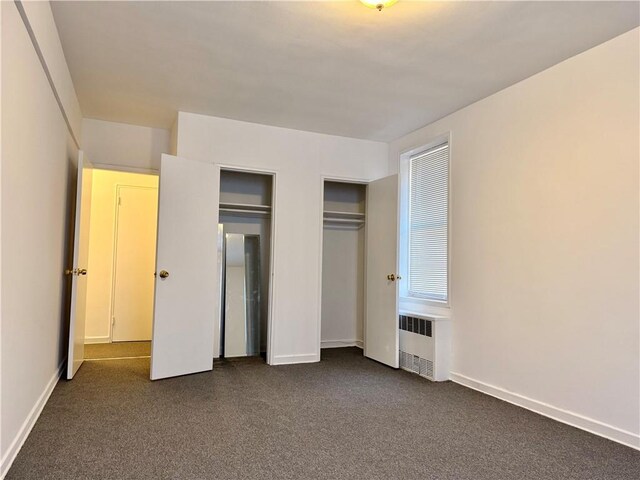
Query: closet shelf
point(245, 209)
point(331, 214)
point(343, 219)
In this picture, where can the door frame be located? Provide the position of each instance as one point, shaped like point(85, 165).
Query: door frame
point(116, 227)
point(338, 179)
point(272, 250)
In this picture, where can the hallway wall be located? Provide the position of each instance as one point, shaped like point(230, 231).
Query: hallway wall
point(101, 247)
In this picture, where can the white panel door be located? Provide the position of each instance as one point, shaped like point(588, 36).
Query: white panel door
point(186, 297)
point(136, 231)
point(381, 321)
point(78, 270)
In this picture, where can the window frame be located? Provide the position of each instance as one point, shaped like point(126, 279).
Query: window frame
point(405, 183)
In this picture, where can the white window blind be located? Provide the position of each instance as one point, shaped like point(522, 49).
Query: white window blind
point(428, 223)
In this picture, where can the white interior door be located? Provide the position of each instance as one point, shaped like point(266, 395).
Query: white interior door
point(135, 258)
point(78, 270)
point(186, 297)
point(381, 321)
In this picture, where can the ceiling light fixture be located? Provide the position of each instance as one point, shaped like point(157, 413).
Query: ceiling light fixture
point(378, 4)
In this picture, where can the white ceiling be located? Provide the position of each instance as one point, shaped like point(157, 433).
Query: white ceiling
point(331, 67)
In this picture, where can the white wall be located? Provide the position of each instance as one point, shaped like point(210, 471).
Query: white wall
point(173, 138)
point(38, 183)
point(300, 159)
point(101, 248)
point(123, 145)
point(544, 240)
point(44, 29)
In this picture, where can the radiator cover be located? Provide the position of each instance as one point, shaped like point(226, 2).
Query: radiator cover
point(424, 345)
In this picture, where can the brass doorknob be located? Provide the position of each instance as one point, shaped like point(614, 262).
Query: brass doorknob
point(393, 277)
point(82, 271)
point(164, 274)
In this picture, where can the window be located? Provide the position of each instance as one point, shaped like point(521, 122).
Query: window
point(428, 224)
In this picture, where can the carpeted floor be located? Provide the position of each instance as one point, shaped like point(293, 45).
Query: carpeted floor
point(98, 351)
point(344, 418)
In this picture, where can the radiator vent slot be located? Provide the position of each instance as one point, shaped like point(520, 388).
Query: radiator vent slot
point(428, 369)
point(403, 359)
point(423, 366)
point(415, 364)
point(421, 326)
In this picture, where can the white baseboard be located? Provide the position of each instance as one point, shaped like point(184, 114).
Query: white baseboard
point(88, 340)
point(299, 358)
point(596, 427)
point(341, 343)
point(29, 422)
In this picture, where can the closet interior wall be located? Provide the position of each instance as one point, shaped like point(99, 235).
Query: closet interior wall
point(343, 244)
point(237, 191)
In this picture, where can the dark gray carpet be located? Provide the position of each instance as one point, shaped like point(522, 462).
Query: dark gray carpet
point(343, 418)
point(117, 350)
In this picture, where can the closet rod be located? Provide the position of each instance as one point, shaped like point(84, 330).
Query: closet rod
point(344, 220)
point(245, 206)
point(244, 210)
point(334, 213)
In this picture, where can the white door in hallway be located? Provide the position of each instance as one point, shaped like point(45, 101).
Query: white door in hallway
point(79, 268)
point(135, 258)
point(186, 296)
point(381, 340)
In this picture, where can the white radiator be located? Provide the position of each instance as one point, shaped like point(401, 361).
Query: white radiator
point(424, 345)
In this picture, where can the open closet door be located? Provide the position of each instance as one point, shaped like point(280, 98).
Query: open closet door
point(78, 270)
point(186, 299)
point(381, 321)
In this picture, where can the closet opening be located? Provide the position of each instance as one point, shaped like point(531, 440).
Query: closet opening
point(244, 252)
point(343, 260)
point(121, 264)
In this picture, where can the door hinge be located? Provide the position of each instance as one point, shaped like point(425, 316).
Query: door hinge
point(113, 321)
point(119, 201)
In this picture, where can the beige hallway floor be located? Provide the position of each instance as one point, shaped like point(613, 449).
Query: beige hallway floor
point(101, 351)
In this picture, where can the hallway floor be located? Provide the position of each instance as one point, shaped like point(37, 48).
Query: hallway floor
point(343, 418)
point(102, 351)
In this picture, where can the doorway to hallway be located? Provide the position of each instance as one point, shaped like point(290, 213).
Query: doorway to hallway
point(121, 264)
